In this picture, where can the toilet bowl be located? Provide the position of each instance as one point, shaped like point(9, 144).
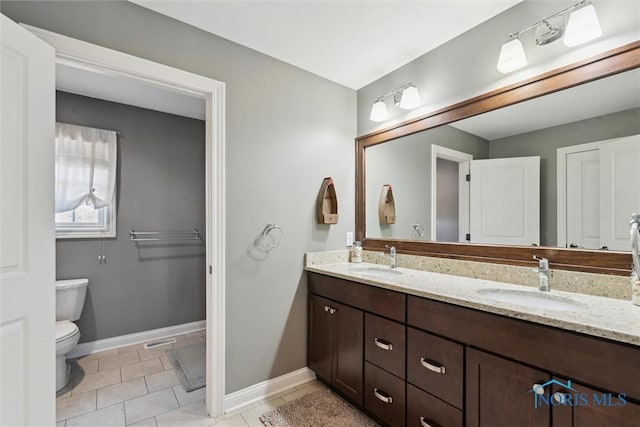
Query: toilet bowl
point(70, 296)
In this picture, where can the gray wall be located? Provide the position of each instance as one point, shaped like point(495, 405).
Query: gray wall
point(161, 187)
point(466, 66)
point(405, 163)
point(545, 142)
point(286, 129)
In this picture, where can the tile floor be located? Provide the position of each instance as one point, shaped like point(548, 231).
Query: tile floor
point(135, 386)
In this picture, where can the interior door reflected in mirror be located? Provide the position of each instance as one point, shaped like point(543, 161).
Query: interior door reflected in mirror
point(558, 170)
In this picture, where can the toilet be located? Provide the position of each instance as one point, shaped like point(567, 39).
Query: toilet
point(70, 295)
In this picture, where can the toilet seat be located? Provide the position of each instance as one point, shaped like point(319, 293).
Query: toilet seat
point(65, 329)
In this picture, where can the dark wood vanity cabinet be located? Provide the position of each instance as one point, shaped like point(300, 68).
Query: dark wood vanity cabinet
point(335, 345)
point(407, 360)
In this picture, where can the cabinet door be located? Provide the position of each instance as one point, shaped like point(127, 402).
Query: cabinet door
point(348, 354)
point(585, 407)
point(498, 392)
point(319, 337)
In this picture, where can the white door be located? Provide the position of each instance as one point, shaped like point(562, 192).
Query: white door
point(619, 190)
point(505, 201)
point(27, 251)
point(583, 199)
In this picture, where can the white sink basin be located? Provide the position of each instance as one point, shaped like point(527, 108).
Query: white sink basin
point(535, 299)
point(376, 271)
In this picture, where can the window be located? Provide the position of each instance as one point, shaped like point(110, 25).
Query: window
point(85, 182)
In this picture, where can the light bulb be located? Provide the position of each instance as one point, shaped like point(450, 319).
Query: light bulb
point(410, 98)
point(583, 26)
point(512, 57)
point(379, 111)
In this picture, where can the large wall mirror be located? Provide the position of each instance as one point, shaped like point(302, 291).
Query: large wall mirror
point(547, 167)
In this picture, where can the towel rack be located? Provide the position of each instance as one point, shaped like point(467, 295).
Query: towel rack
point(163, 235)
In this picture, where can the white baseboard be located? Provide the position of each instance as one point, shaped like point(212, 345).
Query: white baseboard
point(241, 398)
point(115, 342)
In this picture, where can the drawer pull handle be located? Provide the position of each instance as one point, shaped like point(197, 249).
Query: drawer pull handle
point(424, 423)
point(433, 366)
point(381, 395)
point(385, 345)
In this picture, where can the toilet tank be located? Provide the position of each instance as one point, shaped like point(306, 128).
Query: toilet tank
point(70, 295)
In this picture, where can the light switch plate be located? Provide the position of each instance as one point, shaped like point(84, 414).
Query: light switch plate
point(349, 238)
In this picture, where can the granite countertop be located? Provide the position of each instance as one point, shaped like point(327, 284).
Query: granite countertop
point(609, 318)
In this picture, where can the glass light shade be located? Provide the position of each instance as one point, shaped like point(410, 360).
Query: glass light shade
point(379, 111)
point(512, 57)
point(410, 98)
point(583, 26)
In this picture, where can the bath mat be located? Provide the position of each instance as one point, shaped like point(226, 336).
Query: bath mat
point(189, 363)
point(318, 409)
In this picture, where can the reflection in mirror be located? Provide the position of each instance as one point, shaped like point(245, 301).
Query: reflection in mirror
point(559, 170)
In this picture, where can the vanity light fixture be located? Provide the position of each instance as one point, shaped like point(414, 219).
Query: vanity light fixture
point(583, 26)
point(406, 97)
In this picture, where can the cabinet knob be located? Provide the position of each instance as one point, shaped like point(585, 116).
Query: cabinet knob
point(383, 344)
point(433, 366)
point(332, 311)
point(326, 308)
point(383, 396)
point(424, 423)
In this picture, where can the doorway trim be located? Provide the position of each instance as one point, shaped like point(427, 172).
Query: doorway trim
point(463, 160)
point(213, 91)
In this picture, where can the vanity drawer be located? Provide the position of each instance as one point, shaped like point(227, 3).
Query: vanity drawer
point(380, 301)
point(425, 410)
point(384, 395)
point(436, 365)
point(384, 344)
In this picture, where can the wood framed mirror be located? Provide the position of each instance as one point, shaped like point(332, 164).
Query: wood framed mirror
point(603, 261)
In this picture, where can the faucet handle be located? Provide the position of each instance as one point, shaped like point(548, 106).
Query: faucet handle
point(543, 263)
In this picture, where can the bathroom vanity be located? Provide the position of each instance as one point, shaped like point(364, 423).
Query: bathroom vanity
point(425, 349)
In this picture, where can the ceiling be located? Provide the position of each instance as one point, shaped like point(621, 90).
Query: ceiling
point(350, 42)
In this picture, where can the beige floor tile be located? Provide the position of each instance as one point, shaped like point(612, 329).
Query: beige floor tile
point(88, 366)
point(193, 415)
point(154, 353)
point(234, 421)
point(61, 424)
point(75, 405)
point(96, 381)
point(189, 341)
point(64, 393)
point(180, 337)
point(141, 369)
point(166, 363)
point(149, 422)
point(299, 393)
point(113, 416)
point(252, 416)
point(132, 347)
point(160, 380)
point(185, 398)
point(118, 360)
point(117, 393)
point(150, 405)
point(101, 354)
point(195, 334)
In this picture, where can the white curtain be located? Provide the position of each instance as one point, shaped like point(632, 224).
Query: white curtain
point(85, 167)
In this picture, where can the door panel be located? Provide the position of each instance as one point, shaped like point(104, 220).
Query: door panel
point(620, 180)
point(583, 199)
point(27, 253)
point(349, 355)
point(319, 340)
point(505, 201)
point(498, 393)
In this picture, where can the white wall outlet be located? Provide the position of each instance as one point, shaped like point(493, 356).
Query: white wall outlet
point(349, 238)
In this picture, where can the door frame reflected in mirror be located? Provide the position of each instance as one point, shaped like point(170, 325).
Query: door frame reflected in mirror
point(594, 261)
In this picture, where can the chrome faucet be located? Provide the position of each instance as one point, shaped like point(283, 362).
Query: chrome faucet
point(543, 273)
point(392, 255)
